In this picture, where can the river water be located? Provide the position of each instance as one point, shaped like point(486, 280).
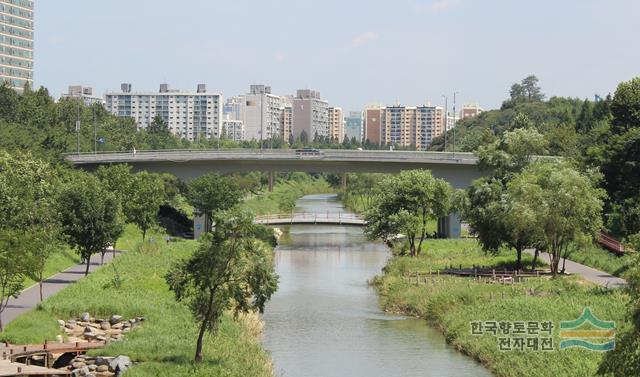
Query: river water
point(325, 321)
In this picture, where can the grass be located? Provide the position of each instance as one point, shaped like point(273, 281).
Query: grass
point(58, 262)
point(285, 193)
point(164, 345)
point(601, 259)
point(451, 303)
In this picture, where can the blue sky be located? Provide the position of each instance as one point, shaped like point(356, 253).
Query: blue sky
point(353, 52)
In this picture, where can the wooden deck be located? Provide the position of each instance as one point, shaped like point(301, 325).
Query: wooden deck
point(11, 354)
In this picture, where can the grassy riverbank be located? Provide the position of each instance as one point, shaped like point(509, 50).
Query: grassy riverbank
point(451, 303)
point(164, 345)
point(285, 193)
point(601, 259)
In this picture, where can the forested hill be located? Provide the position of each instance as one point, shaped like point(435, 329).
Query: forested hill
point(602, 134)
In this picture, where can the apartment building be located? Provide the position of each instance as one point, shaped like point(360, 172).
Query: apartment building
point(407, 126)
point(287, 122)
point(262, 113)
point(233, 129)
point(83, 93)
point(16, 43)
point(353, 126)
point(470, 110)
point(189, 115)
point(310, 115)
point(336, 123)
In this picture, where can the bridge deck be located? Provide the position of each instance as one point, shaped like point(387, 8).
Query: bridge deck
point(330, 218)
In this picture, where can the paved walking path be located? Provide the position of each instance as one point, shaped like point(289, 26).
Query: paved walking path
point(588, 273)
point(30, 297)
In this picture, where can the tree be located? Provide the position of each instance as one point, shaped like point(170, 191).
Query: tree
point(625, 106)
point(404, 204)
point(231, 270)
point(562, 206)
point(13, 267)
point(27, 204)
point(89, 214)
point(212, 193)
point(527, 90)
point(623, 361)
point(118, 180)
point(147, 194)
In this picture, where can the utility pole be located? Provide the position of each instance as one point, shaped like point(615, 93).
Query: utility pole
point(95, 131)
point(262, 96)
point(454, 123)
point(446, 119)
point(78, 130)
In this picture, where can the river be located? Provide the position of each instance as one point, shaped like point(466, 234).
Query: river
point(325, 321)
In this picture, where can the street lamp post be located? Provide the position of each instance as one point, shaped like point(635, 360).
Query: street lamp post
point(446, 119)
point(78, 130)
point(454, 123)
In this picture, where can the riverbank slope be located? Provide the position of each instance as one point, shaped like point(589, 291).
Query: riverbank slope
point(453, 303)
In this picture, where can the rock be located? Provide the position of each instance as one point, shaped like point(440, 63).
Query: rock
point(78, 364)
point(126, 329)
point(62, 323)
point(59, 338)
point(115, 319)
point(90, 362)
point(105, 326)
point(120, 364)
point(89, 375)
point(71, 322)
point(140, 319)
point(117, 326)
point(101, 338)
point(103, 361)
point(70, 326)
point(80, 372)
point(85, 317)
point(102, 368)
point(93, 367)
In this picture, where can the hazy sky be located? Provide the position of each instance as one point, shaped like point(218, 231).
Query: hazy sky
point(353, 52)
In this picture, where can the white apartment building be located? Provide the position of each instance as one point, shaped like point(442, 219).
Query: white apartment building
point(16, 43)
point(262, 113)
point(189, 115)
point(233, 129)
point(310, 115)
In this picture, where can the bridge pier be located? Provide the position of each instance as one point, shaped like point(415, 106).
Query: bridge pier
point(343, 183)
point(270, 174)
point(450, 226)
point(200, 223)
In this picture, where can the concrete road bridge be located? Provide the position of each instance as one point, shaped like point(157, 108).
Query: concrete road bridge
point(459, 169)
point(318, 218)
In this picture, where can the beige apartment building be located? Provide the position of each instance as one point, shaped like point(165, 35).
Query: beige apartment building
point(336, 124)
point(406, 126)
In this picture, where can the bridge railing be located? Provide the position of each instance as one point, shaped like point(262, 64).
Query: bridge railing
point(311, 216)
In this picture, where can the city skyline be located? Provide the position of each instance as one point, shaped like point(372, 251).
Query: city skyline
point(410, 54)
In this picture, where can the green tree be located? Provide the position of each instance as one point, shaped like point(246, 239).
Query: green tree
point(89, 214)
point(625, 106)
point(404, 204)
point(212, 193)
point(562, 206)
point(27, 203)
point(231, 270)
point(527, 90)
point(14, 267)
point(624, 360)
point(147, 194)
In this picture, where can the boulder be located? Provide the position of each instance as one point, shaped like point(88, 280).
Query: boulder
point(101, 338)
point(103, 361)
point(105, 325)
point(120, 364)
point(78, 364)
point(102, 368)
point(80, 372)
point(115, 319)
point(85, 317)
point(71, 322)
point(62, 323)
point(92, 367)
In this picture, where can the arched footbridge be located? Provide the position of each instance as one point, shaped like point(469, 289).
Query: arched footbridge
point(321, 218)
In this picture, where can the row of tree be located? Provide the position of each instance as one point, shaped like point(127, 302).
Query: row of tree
point(46, 207)
point(524, 202)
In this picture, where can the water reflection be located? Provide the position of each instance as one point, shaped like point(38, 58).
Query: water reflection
point(325, 320)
